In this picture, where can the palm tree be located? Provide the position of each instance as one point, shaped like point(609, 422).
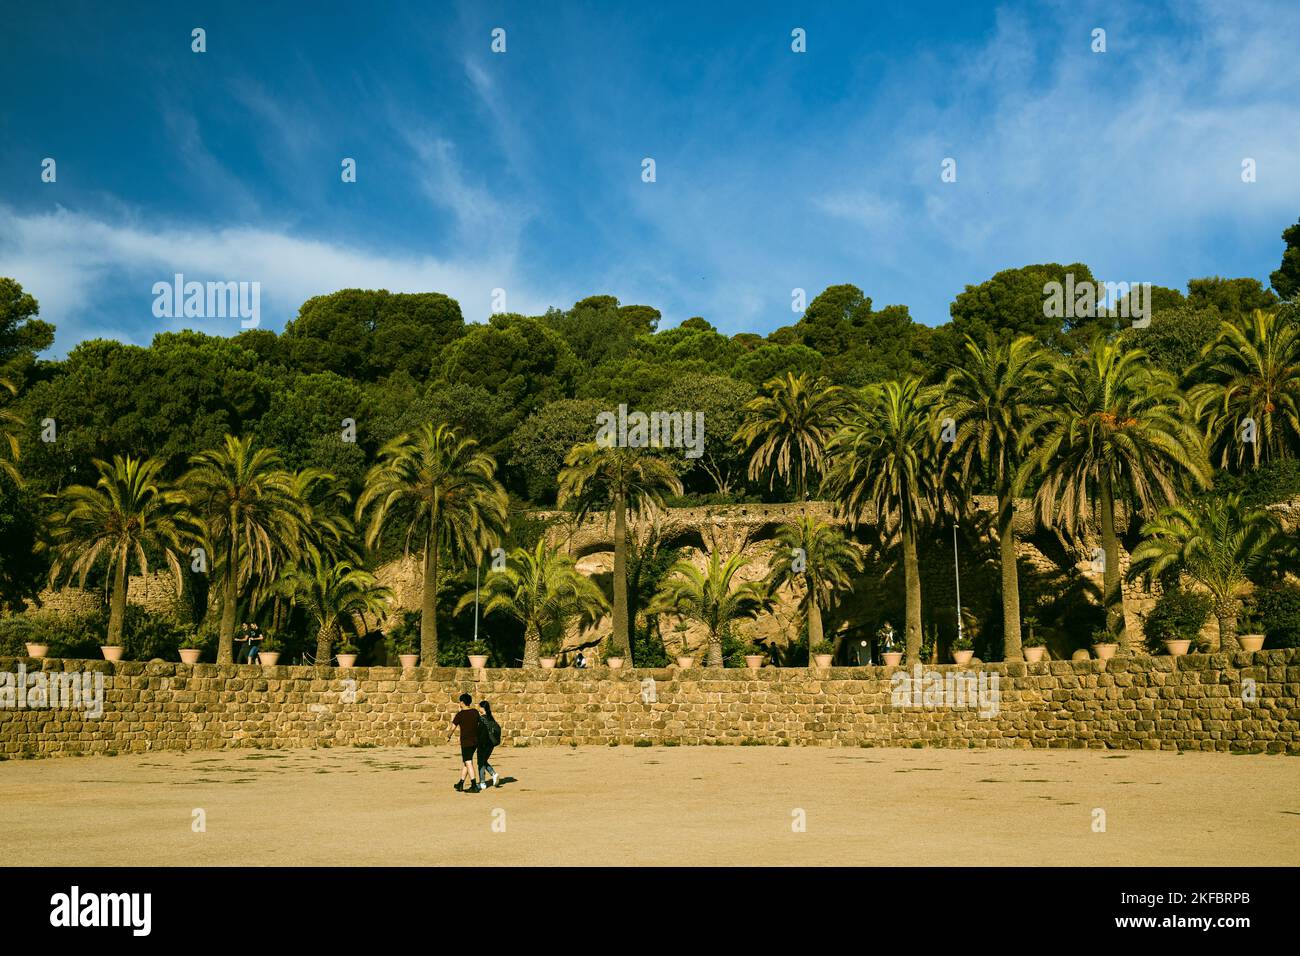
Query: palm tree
point(825, 560)
point(1112, 428)
point(1251, 372)
point(444, 490)
point(542, 590)
point(1216, 541)
point(129, 512)
point(884, 463)
point(253, 517)
point(628, 480)
point(990, 398)
point(787, 429)
point(333, 593)
point(326, 530)
point(10, 424)
point(713, 597)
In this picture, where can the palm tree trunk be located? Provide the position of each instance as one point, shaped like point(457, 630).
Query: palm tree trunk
point(324, 645)
point(1112, 592)
point(715, 649)
point(429, 601)
point(620, 635)
point(912, 580)
point(117, 603)
point(1010, 579)
point(532, 645)
point(814, 625)
point(230, 600)
point(1227, 617)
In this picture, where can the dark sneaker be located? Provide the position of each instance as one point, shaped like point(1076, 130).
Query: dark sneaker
point(458, 786)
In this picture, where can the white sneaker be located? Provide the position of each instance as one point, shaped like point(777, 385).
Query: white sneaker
point(495, 778)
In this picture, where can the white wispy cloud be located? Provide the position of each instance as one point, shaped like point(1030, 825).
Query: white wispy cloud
point(93, 278)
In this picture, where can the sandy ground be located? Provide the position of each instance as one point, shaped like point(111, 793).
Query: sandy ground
point(652, 806)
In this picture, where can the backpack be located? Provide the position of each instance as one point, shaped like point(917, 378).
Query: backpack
point(491, 730)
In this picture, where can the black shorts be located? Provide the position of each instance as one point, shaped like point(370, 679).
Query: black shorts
point(467, 753)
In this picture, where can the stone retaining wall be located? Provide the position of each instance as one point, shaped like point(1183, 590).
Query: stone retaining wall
point(1199, 702)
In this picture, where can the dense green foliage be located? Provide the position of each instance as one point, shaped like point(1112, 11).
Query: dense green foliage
point(330, 397)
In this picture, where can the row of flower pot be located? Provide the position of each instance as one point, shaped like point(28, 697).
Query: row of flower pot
point(189, 655)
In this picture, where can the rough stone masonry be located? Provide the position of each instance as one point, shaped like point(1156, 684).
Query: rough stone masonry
point(1240, 701)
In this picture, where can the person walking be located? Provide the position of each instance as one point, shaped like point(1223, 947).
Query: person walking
point(255, 636)
point(241, 640)
point(489, 737)
point(467, 720)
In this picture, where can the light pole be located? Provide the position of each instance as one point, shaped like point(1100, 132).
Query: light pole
point(956, 570)
point(477, 565)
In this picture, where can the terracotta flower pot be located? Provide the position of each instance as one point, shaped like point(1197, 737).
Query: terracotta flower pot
point(893, 658)
point(1104, 651)
point(347, 660)
point(613, 663)
point(190, 655)
point(753, 661)
point(822, 660)
point(547, 663)
point(1251, 642)
point(685, 663)
point(1177, 648)
point(268, 658)
point(111, 652)
point(478, 661)
point(408, 660)
point(962, 657)
point(1033, 654)
point(37, 650)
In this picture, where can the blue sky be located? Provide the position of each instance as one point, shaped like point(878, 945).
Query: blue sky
point(522, 170)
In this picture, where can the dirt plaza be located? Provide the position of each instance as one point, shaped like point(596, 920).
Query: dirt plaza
point(655, 806)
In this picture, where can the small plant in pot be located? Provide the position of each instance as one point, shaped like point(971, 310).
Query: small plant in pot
point(269, 653)
point(1250, 632)
point(1035, 644)
point(404, 639)
point(753, 656)
point(963, 649)
point(1175, 643)
point(478, 654)
point(407, 653)
point(823, 653)
point(348, 655)
point(191, 650)
point(613, 659)
point(549, 647)
point(1104, 644)
point(890, 650)
point(684, 660)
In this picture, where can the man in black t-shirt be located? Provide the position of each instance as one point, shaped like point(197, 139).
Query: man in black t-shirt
point(467, 720)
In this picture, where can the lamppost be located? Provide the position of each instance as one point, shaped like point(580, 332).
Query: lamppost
point(956, 569)
point(477, 565)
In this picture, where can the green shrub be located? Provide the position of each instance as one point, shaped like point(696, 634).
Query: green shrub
point(77, 636)
point(1278, 608)
point(648, 650)
point(1178, 615)
point(404, 636)
point(20, 630)
point(146, 635)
